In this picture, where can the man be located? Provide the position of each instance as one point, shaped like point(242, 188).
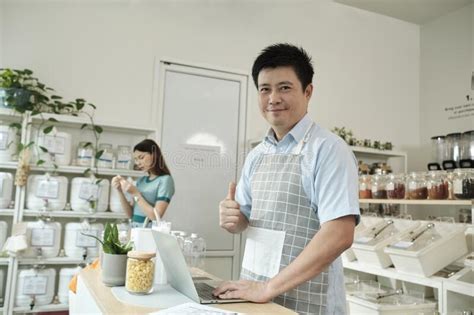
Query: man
point(297, 196)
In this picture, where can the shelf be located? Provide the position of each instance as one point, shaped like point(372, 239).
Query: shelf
point(50, 261)
point(4, 261)
point(419, 202)
point(75, 214)
point(375, 152)
point(9, 165)
point(9, 114)
point(81, 169)
point(454, 284)
point(76, 122)
point(6, 212)
point(42, 308)
point(433, 282)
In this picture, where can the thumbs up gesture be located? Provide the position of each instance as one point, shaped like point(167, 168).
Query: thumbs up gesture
point(229, 211)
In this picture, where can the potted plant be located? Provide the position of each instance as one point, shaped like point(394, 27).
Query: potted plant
point(113, 256)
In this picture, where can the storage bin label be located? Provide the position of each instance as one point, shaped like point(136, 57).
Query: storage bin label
point(35, 285)
point(457, 186)
point(42, 237)
point(89, 191)
point(86, 241)
point(390, 186)
point(54, 144)
point(3, 140)
point(48, 189)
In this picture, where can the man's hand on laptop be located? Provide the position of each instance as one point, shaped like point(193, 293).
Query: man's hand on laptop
point(255, 291)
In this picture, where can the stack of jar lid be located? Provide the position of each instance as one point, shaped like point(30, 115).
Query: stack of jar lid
point(434, 185)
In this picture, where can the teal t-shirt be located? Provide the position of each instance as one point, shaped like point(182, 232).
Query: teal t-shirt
point(156, 189)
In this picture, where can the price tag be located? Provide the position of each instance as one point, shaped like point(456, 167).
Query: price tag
point(89, 191)
point(3, 140)
point(457, 186)
point(402, 244)
point(362, 186)
point(364, 239)
point(374, 189)
point(412, 186)
point(1, 185)
point(42, 237)
point(86, 241)
point(54, 144)
point(390, 186)
point(35, 285)
point(48, 189)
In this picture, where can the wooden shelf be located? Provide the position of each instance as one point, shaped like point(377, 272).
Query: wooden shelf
point(75, 214)
point(419, 202)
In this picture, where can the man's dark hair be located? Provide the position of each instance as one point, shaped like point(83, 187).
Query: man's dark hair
point(284, 55)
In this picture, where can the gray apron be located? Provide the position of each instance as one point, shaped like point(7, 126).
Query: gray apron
point(282, 224)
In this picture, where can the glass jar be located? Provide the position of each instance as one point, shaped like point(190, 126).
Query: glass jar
point(396, 186)
point(365, 187)
point(124, 157)
point(417, 186)
point(453, 145)
point(378, 183)
point(84, 154)
point(467, 145)
point(107, 156)
point(463, 183)
point(140, 272)
point(437, 184)
point(438, 145)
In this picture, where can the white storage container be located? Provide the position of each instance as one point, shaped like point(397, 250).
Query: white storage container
point(365, 221)
point(46, 192)
point(115, 205)
point(8, 142)
point(3, 233)
point(37, 284)
point(78, 245)
point(390, 305)
point(86, 194)
point(43, 239)
point(59, 146)
point(6, 190)
point(369, 246)
point(65, 276)
point(428, 250)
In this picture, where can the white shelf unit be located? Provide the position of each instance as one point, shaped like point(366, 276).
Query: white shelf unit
point(113, 133)
point(397, 159)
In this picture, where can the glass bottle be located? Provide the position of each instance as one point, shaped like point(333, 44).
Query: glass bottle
point(438, 145)
point(365, 187)
point(417, 186)
point(378, 183)
point(124, 157)
point(106, 158)
point(453, 146)
point(396, 186)
point(463, 183)
point(437, 184)
point(140, 272)
point(84, 154)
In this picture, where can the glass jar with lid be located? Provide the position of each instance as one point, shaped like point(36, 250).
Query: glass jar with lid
point(107, 156)
point(453, 146)
point(378, 183)
point(124, 157)
point(365, 187)
point(84, 154)
point(438, 145)
point(463, 183)
point(437, 184)
point(395, 186)
point(140, 272)
point(417, 186)
point(467, 145)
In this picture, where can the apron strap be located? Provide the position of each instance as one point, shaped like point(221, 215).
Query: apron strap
point(299, 147)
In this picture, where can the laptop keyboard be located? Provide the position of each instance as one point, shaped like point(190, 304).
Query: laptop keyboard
point(205, 291)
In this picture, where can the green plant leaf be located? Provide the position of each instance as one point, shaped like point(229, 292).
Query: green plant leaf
point(99, 154)
point(43, 149)
point(83, 126)
point(52, 119)
point(40, 162)
point(79, 106)
point(98, 129)
point(92, 105)
point(56, 97)
point(15, 125)
point(48, 129)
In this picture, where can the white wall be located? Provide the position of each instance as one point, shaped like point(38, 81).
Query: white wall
point(367, 65)
point(447, 62)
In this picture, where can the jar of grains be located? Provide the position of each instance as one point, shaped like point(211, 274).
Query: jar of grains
point(365, 187)
point(379, 190)
point(417, 186)
point(396, 186)
point(437, 184)
point(140, 272)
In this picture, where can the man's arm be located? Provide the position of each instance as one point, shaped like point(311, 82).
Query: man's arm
point(230, 217)
point(330, 241)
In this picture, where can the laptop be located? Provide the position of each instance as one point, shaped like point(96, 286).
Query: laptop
point(179, 277)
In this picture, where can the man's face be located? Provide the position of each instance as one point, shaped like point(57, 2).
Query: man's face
point(281, 97)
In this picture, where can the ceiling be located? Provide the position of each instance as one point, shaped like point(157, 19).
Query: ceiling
point(414, 11)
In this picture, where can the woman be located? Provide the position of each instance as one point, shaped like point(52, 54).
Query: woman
point(152, 191)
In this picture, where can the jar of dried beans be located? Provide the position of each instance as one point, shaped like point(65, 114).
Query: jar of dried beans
point(140, 272)
point(365, 187)
point(437, 184)
point(417, 186)
point(396, 186)
point(463, 183)
point(378, 183)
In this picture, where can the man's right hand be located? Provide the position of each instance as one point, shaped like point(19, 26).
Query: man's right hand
point(229, 211)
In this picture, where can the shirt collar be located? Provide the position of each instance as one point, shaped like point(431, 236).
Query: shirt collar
point(297, 132)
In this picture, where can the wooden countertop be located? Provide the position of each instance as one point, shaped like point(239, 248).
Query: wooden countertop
point(108, 304)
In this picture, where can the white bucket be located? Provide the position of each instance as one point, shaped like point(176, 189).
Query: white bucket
point(84, 190)
point(6, 190)
point(46, 192)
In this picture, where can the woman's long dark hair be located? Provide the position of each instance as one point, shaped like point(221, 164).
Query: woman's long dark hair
point(159, 165)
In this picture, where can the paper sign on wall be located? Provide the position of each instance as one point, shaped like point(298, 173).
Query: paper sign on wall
point(35, 285)
point(54, 144)
point(42, 237)
point(48, 189)
point(89, 191)
point(3, 140)
point(84, 240)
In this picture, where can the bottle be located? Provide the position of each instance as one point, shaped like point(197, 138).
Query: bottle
point(437, 184)
point(194, 250)
point(84, 154)
point(463, 183)
point(417, 186)
point(106, 158)
point(379, 190)
point(140, 272)
point(396, 186)
point(124, 157)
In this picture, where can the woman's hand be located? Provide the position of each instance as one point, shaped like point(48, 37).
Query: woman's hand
point(116, 182)
point(128, 187)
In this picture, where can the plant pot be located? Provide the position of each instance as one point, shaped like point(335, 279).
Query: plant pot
point(14, 98)
point(113, 269)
